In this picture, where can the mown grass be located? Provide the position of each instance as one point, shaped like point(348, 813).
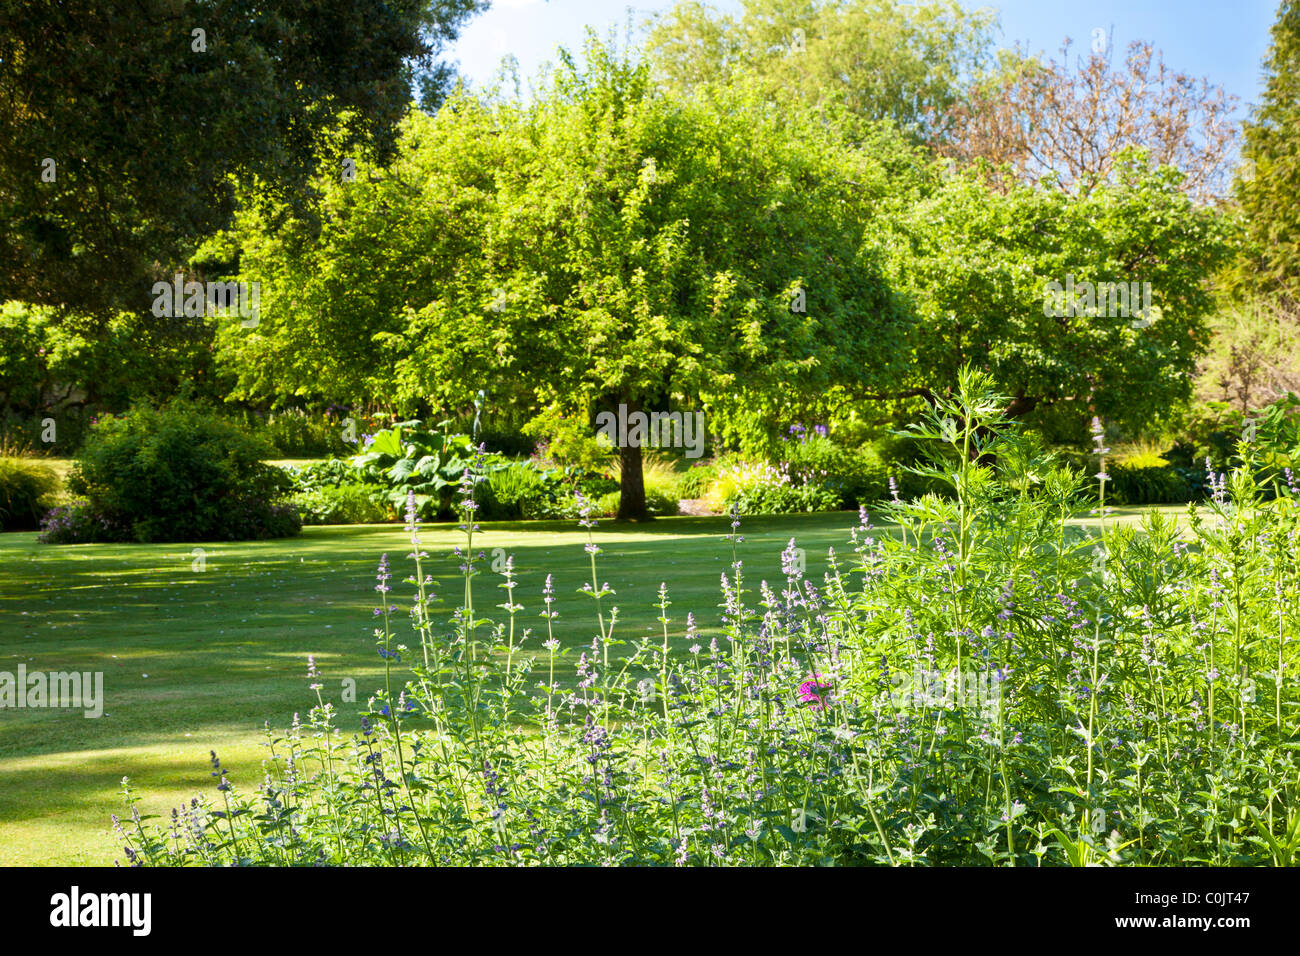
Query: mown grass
point(198, 654)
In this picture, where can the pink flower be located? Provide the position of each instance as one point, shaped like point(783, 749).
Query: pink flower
point(813, 690)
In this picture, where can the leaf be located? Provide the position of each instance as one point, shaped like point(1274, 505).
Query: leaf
point(387, 442)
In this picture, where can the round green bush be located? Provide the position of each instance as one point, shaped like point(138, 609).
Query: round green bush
point(659, 502)
point(27, 491)
point(771, 499)
point(180, 474)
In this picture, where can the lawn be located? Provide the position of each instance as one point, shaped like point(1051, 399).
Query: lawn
point(197, 654)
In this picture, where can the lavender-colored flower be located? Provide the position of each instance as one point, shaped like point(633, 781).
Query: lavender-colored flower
point(1007, 601)
point(585, 510)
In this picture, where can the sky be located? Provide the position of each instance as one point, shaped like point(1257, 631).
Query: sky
point(1224, 40)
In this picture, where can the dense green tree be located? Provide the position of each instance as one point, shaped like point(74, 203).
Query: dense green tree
point(122, 123)
point(978, 266)
point(609, 244)
point(1269, 181)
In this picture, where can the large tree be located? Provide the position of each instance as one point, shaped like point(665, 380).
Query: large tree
point(1269, 180)
point(1068, 124)
point(123, 124)
point(875, 59)
point(609, 244)
point(990, 275)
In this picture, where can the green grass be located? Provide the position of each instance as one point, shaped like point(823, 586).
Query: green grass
point(199, 659)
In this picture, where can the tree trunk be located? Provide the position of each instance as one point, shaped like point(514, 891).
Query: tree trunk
point(631, 495)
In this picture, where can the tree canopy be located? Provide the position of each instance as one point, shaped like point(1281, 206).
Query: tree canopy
point(1269, 180)
point(878, 60)
point(979, 268)
point(123, 124)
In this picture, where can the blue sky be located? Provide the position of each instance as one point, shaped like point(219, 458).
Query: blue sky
point(1221, 39)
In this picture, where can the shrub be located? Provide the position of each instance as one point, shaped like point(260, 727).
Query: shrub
point(764, 489)
point(656, 503)
point(343, 504)
point(593, 485)
point(515, 491)
point(568, 440)
point(776, 498)
point(856, 476)
point(77, 523)
point(1148, 480)
point(695, 481)
point(660, 503)
point(22, 433)
point(324, 474)
point(1210, 431)
point(411, 457)
point(294, 433)
point(27, 490)
point(179, 474)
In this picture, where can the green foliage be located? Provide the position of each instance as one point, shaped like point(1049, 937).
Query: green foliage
point(714, 248)
point(695, 481)
point(72, 367)
point(1139, 483)
point(179, 474)
point(856, 476)
point(872, 60)
point(660, 475)
point(659, 503)
point(295, 433)
point(765, 489)
point(271, 94)
point(517, 491)
point(977, 265)
point(1254, 353)
point(343, 504)
point(1269, 177)
point(27, 490)
point(567, 440)
point(76, 522)
point(408, 457)
point(1208, 431)
point(323, 474)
